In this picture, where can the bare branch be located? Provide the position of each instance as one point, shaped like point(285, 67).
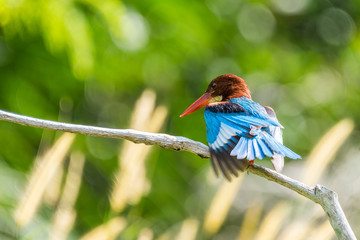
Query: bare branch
point(327, 198)
point(319, 194)
point(162, 140)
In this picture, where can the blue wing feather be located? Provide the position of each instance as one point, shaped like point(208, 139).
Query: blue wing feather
point(234, 138)
point(265, 148)
point(258, 151)
point(238, 147)
point(256, 110)
point(251, 152)
point(242, 153)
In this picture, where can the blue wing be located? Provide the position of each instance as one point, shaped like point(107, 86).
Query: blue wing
point(240, 130)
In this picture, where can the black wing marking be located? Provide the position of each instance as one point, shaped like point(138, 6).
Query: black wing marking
point(229, 165)
point(228, 107)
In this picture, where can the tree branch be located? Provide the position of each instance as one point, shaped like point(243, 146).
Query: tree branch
point(319, 194)
point(327, 198)
point(162, 140)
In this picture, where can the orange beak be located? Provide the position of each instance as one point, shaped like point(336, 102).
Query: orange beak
point(200, 103)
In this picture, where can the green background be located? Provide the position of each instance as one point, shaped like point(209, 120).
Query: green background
point(88, 61)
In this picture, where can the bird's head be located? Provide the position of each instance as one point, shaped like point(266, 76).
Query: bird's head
point(222, 88)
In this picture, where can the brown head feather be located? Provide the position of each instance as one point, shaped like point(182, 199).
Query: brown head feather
point(228, 86)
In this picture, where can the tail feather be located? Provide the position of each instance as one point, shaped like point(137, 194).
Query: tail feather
point(278, 162)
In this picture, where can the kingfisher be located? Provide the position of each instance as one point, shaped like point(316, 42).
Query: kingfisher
point(238, 129)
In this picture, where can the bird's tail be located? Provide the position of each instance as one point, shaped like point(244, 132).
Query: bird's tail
point(261, 146)
point(277, 147)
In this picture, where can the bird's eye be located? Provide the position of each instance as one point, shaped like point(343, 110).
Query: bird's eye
point(213, 85)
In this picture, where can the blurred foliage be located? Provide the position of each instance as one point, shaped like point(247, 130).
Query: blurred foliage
point(88, 61)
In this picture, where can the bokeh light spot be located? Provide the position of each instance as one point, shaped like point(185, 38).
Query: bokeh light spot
point(256, 23)
point(336, 26)
point(323, 85)
point(221, 7)
point(290, 7)
point(135, 32)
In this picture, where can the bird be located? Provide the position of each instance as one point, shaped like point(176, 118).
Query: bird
point(239, 130)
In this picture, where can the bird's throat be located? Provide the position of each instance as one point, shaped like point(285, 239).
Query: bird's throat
point(215, 99)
